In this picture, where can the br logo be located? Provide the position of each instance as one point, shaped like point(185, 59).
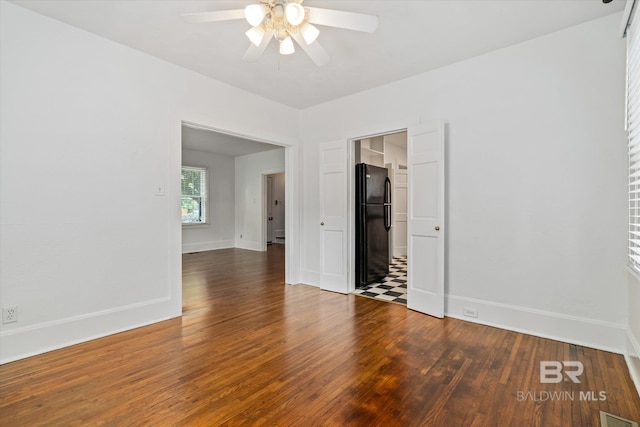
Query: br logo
point(554, 372)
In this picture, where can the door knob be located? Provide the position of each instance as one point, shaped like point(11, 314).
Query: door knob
point(437, 228)
point(322, 223)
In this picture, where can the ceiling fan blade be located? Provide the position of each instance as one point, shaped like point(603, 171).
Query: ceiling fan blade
point(219, 15)
point(316, 52)
point(341, 19)
point(254, 52)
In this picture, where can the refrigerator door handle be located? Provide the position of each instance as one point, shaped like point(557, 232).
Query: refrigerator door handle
point(387, 204)
point(387, 190)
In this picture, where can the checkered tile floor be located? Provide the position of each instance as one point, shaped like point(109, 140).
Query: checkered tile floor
point(393, 288)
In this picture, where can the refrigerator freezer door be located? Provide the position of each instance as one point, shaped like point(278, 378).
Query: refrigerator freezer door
point(375, 185)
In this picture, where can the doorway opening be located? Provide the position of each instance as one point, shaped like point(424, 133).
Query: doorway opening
point(231, 193)
point(275, 212)
point(380, 190)
point(426, 216)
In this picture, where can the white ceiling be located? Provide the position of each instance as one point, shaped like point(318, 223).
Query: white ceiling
point(412, 37)
point(199, 139)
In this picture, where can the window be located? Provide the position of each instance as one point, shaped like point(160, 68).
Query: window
point(194, 195)
point(633, 129)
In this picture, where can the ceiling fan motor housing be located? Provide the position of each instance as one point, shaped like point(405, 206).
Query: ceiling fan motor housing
point(279, 17)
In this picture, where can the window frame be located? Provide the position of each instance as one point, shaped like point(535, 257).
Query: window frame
point(204, 198)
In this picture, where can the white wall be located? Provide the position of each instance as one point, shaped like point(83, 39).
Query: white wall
point(89, 130)
point(250, 171)
point(536, 179)
point(218, 232)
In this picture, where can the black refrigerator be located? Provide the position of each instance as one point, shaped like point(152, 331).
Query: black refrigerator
point(373, 222)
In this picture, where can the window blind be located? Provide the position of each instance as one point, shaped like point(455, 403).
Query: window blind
point(633, 129)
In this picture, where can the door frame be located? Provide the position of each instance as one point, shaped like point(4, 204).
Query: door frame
point(265, 201)
point(352, 198)
point(351, 220)
point(292, 219)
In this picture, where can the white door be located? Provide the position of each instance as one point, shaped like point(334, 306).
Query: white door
point(269, 209)
point(399, 212)
point(333, 217)
point(426, 227)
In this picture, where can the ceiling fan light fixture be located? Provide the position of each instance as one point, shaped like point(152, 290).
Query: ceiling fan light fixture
point(286, 46)
point(256, 34)
point(255, 13)
point(309, 33)
point(285, 21)
point(294, 13)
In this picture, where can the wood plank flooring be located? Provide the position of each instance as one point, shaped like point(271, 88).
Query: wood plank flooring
point(250, 350)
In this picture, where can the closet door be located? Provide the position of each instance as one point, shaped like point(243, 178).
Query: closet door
point(334, 238)
point(425, 219)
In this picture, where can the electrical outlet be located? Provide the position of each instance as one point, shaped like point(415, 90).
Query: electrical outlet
point(470, 312)
point(10, 314)
point(241, 236)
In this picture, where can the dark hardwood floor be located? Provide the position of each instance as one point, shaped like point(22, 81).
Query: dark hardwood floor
point(250, 350)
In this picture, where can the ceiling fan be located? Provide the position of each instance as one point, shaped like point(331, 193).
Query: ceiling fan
point(288, 20)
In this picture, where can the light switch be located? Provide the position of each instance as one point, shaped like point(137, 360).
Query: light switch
point(159, 190)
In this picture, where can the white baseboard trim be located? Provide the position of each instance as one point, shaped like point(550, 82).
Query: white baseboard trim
point(206, 246)
point(309, 277)
point(250, 246)
point(632, 357)
point(572, 329)
point(32, 340)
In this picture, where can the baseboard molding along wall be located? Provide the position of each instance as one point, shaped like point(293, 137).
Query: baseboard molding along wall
point(206, 246)
point(250, 246)
point(560, 327)
point(32, 340)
